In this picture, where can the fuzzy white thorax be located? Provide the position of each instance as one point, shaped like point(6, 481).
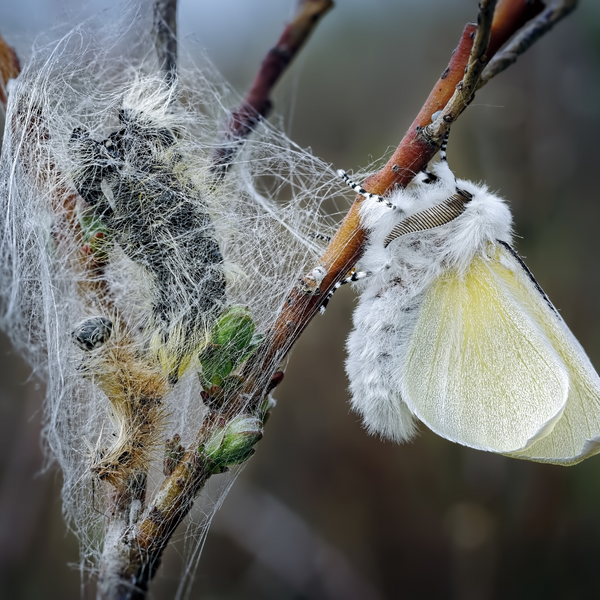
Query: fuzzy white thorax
point(390, 299)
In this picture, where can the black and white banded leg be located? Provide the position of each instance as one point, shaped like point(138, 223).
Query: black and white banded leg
point(443, 155)
point(359, 190)
point(428, 176)
point(444, 158)
point(354, 276)
point(320, 236)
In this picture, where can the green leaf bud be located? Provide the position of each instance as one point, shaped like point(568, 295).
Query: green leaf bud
point(234, 330)
point(216, 365)
point(234, 443)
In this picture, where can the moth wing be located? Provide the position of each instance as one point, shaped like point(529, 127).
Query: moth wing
point(577, 434)
point(479, 368)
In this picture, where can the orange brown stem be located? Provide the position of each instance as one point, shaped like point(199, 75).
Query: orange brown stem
point(412, 155)
point(257, 103)
point(9, 68)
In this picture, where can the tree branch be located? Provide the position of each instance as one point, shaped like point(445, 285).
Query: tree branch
point(164, 32)
point(9, 69)
point(525, 38)
point(257, 104)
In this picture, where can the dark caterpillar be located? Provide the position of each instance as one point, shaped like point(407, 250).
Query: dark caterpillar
point(132, 181)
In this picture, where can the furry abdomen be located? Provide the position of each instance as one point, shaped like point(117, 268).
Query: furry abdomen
point(376, 348)
point(383, 320)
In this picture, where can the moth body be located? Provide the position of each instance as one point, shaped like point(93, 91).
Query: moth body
point(452, 330)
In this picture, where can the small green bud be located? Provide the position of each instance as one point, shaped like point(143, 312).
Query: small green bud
point(216, 365)
point(232, 340)
point(234, 443)
point(234, 330)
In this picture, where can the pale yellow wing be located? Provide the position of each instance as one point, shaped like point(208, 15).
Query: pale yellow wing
point(577, 433)
point(479, 369)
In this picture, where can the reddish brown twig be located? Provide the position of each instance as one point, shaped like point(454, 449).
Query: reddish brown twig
point(9, 68)
point(257, 103)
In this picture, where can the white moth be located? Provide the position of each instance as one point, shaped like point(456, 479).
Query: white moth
point(451, 329)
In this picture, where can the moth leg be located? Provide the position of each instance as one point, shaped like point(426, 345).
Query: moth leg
point(427, 176)
point(354, 276)
point(443, 170)
point(320, 236)
point(359, 190)
point(444, 146)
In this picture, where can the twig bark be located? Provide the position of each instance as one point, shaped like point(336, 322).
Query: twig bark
point(164, 32)
point(9, 69)
point(524, 39)
point(136, 546)
point(257, 103)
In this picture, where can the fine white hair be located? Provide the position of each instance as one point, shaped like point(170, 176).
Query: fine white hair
point(86, 86)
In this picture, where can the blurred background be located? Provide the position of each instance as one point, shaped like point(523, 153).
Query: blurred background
point(324, 511)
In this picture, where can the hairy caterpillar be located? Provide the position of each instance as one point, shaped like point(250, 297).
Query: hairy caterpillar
point(135, 183)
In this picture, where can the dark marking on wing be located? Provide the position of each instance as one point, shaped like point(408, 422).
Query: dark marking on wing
point(525, 268)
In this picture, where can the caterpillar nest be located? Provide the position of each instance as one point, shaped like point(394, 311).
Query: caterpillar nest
point(136, 281)
point(135, 183)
